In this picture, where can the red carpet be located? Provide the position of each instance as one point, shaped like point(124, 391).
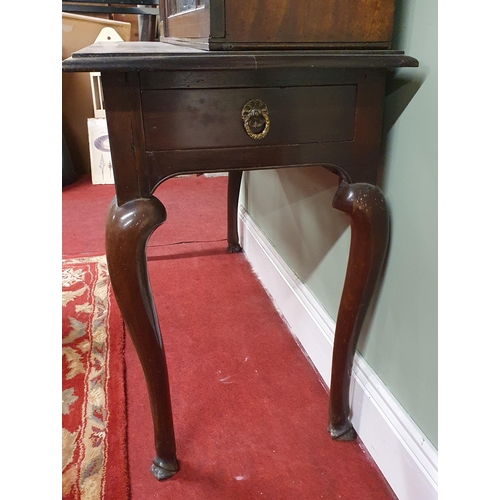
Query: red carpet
point(85, 207)
point(250, 413)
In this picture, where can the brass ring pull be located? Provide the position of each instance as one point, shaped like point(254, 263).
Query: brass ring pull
point(255, 114)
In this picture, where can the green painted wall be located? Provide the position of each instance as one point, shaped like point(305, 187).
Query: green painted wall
point(399, 340)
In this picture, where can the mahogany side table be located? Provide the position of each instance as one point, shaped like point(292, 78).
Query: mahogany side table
point(174, 110)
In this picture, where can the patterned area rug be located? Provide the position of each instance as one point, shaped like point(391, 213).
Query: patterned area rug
point(94, 459)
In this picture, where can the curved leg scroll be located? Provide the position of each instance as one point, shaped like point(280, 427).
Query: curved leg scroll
point(366, 206)
point(127, 231)
point(233, 192)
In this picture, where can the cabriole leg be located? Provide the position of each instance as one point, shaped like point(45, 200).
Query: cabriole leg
point(233, 192)
point(127, 231)
point(366, 206)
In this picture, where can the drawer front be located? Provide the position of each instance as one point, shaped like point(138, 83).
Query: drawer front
point(212, 118)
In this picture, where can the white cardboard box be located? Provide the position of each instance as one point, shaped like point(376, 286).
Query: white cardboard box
point(100, 157)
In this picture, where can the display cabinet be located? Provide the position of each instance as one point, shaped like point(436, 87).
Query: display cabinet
point(278, 24)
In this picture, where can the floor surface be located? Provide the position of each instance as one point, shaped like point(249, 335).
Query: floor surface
point(250, 412)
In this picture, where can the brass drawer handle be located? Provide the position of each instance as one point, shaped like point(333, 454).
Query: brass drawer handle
point(255, 114)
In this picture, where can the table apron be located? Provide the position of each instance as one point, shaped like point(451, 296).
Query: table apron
point(352, 162)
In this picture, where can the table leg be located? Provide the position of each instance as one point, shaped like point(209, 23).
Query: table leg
point(233, 192)
point(127, 231)
point(366, 206)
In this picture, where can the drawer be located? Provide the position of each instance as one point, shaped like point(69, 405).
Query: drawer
point(212, 118)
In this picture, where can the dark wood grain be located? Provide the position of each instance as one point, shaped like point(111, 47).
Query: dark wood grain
point(124, 122)
point(284, 24)
point(211, 118)
point(173, 110)
point(127, 231)
point(366, 206)
point(250, 78)
point(158, 56)
point(357, 154)
point(313, 21)
point(233, 192)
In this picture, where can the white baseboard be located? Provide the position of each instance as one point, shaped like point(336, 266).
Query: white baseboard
point(403, 454)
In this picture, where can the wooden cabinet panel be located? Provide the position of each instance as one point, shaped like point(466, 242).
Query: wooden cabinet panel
point(280, 24)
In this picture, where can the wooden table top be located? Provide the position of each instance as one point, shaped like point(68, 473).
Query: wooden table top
point(155, 56)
